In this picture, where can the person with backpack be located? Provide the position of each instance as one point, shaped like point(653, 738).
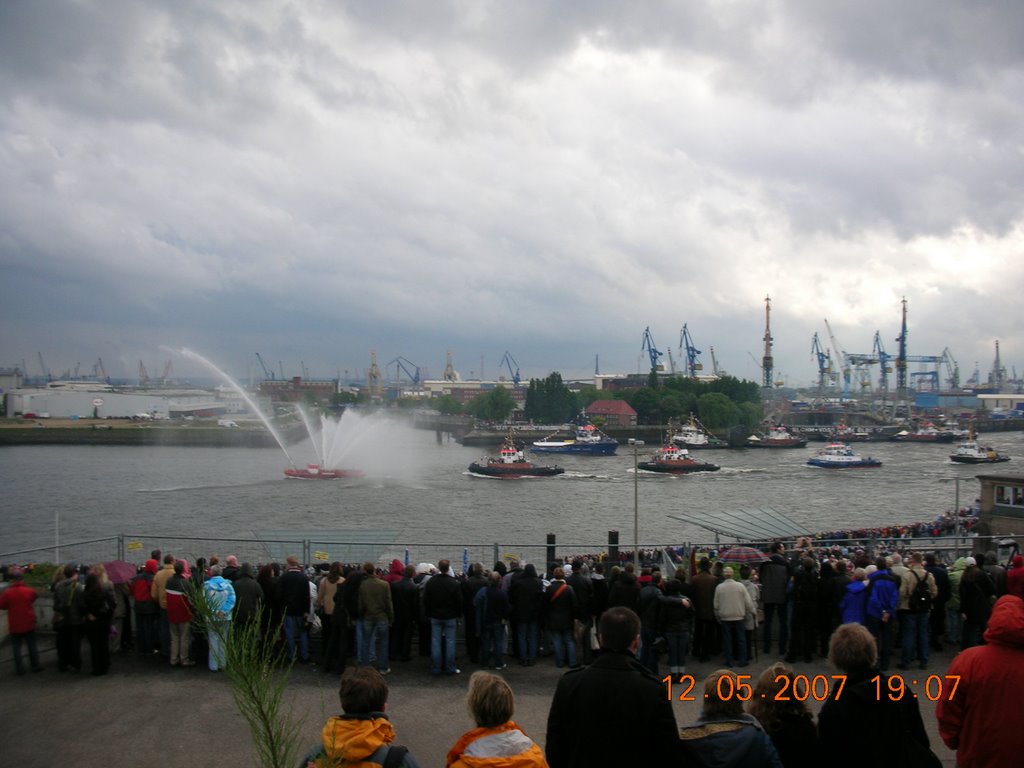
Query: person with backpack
point(363, 735)
point(917, 592)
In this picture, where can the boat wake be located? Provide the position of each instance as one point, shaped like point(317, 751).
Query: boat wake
point(586, 475)
point(211, 486)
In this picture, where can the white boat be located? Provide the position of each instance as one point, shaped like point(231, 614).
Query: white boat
point(972, 453)
point(841, 456)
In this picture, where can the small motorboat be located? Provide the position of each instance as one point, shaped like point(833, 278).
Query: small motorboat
point(776, 437)
point(511, 463)
point(841, 456)
point(972, 453)
point(673, 460)
point(316, 472)
point(926, 432)
point(588, 440)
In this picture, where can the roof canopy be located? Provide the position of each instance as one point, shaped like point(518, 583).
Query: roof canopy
point(759, 524)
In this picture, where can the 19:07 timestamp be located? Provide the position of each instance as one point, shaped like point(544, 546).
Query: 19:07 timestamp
point(818, 687)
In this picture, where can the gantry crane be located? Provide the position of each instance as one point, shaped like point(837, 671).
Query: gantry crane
point(824, 359)
point(513, 367)
point(652, 351)
point(686, 344)
point(400, 365)
point(845, 366)
point(267, 373)
point(767, 361)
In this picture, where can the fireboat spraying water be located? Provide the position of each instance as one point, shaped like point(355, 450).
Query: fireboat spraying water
point(329, 449)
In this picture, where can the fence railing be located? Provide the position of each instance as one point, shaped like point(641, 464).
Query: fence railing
point(382, 549)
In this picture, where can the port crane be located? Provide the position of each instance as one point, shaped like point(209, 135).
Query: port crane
point(267, 373)
point(714, 363)
point(400, 366)
point(686, 343)
point(767, 361)
point(373, 381)
point(652, 351)
point(952, 369)
point(143, 375)
point(513, 367)
point(45, 372)
point(824, 359)
point(845, 367)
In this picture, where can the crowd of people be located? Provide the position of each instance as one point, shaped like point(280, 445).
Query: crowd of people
point(609, 626)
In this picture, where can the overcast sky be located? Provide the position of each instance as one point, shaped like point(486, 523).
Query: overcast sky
point(318, 180)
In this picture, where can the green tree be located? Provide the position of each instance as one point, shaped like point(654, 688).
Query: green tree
point(751, 415)
point(716, 411)
point(495, 405)
point(447, 405)
point(550, 401)
point(646, 404)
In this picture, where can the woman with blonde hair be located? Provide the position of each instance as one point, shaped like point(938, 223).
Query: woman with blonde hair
point(496, 741)
point(780, 705)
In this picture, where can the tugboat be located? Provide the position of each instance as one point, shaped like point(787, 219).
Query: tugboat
point(316, 472)
point(841, 456)
point(511, 463)
point(588, 440)
point(972, 453)
point(672, 460)
point(694, 436)
point(777, 437)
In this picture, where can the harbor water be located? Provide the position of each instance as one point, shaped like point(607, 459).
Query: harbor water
point(418, 492)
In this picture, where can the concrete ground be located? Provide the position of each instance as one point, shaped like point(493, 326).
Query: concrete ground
point(146, 713)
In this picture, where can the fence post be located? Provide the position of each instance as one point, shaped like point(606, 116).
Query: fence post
point(306, 551)
point(120, 546)
point(496, 551)
point(406, 555)
point(613, 547)
point(550, 552)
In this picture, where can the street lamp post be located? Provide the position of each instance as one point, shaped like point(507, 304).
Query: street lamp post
point(636, 505)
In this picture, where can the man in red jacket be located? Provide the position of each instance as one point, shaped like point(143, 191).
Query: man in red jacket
point(980, 718)
point(17, 600)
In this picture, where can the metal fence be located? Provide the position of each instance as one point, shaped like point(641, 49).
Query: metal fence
point(381, 547)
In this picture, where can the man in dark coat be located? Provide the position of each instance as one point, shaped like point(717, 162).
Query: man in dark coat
point(774, 576)
point(650, 622)
point(472, 584)
point(561, 607)
point(442, 603)
point(248, 597)
point(526, 597)
point(584, 589)
point(705, 628)
point(405, 599)
point(937, 619)
point(294, 588)
point(613, 712)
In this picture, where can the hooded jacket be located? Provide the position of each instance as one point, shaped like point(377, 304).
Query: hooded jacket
point(17, 600)
point(981, 719)
point(1015, 577)
point(142, 588)
point(220, 594)
point(356, 741)
point(505, 746)
point(956, 573)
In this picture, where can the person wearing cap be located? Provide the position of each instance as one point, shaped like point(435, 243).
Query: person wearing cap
point(976, 596)
point(17, 600)
point(147, 617)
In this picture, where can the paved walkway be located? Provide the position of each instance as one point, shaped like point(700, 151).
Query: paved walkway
point(146, 713)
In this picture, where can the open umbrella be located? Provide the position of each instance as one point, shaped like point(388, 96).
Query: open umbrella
point(120, 572)
point(741, 555)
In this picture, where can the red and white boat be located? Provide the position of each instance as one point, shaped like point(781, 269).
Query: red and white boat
point(672, 460)
point(511, 463)
point(316, 472)
point(777, 437)
point(926, 432)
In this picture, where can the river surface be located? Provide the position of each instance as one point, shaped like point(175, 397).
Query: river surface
point(418, 494)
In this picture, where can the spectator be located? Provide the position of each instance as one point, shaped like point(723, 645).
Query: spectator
point(18, 601)
point(69, 620)
point(582, 585)
point(774, 576)
point(294, 588)
point(976, 597)
point(442, 603)
point(147, 616)
point(675, 618)
point(220, 597)
point(937, 617)
point(724, 736)
point(981, 721)
point(159, 594)
point(496, 740)
point(917, 593)
point(561, 609)
point(732, 605)
point(954, 624)
point(853, 607)
point(613, 711)
point(474, 581)
point(377, 614)
point(526, 596)
point(98, 613)
point(803, 622)
point(248, 597)
point(1015, 577)
point(649, 610)
point(780, 705)
point(705, 628)
point(491, 614)
point(893, 728)
point(363, 735)
point(405, 600)
point(883, 597)
point(179, 616)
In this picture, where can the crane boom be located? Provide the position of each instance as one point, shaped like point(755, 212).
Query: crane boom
point(652, 351)
point(845, 367)
point(513, 367)
point(686, 344)
point(268, 374)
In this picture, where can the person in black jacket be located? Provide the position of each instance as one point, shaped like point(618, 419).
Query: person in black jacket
point(492, 609)
point(405, 598)
point(613, 712)
point(937, 619)
point(584, 589)
point(294, 588)
point(248, 597)
point(526, 595)
point(649, 605)
point(560, 608)
point(774, 576)
point(442, 603)
point(472, 584)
